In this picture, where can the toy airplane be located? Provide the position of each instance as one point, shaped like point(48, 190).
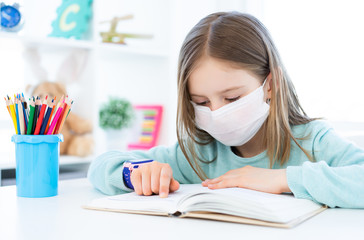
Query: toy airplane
point(114, 37)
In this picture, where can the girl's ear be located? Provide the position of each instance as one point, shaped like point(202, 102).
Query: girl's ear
point(269, 84)
point(268, 87)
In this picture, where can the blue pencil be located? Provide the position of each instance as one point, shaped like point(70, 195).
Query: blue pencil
point(45, 121)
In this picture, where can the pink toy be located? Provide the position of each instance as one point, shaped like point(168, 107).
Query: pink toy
point(151, 117)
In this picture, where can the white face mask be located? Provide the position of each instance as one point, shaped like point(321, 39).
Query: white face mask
point(235, 123)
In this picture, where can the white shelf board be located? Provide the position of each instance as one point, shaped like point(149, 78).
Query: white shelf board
point(84, 44)
point(49, 41)
point(148, 51)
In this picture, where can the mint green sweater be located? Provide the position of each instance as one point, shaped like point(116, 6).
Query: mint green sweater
point(336, 178)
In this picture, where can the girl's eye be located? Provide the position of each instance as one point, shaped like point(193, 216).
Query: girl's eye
point(202, 103)
point(233, 99)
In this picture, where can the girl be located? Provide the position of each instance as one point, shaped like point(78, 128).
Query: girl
point(240, 124)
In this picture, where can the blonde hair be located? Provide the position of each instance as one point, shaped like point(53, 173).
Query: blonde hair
point(243, 41)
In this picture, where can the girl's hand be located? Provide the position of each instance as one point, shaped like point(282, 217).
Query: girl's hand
point(155, 178)
point(260, 179)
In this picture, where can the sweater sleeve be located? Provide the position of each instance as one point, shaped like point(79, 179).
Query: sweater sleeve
point(336, 178)
point(106, 171)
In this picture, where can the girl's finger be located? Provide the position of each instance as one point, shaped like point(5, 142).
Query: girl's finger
point(221, 184)
point(155, 179)
point(215, 180)
point(165, 179)
point(204, 183)
point(146, 182)
point(136, 181)
point(174, 185)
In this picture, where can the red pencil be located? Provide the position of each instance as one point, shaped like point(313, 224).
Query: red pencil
point(41, 115)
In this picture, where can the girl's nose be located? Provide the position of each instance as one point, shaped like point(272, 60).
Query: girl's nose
point(216, 105)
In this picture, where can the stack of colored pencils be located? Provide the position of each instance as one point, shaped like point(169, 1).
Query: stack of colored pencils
point(37, 117)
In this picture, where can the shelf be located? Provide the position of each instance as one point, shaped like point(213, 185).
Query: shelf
point(84, 44)
point(49, 41)
point(132, 50)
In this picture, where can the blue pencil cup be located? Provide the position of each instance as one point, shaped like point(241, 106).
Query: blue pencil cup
point(37, 165)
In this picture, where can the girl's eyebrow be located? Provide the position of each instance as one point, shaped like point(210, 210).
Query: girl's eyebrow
point(223, 91)
point(195, 95)
point(232, 88)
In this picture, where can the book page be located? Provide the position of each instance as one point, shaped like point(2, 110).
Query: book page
point(280, 208)
point(154, 203)
point(249, 203)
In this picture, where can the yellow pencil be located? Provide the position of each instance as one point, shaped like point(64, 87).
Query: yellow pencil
point(13, 114)
point(7, 105)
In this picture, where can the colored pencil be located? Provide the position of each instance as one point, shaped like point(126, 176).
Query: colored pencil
point(62, 105)
point(59, 104)
point(70, 109)
point(64, 109)
point(21, 117)
point(7, 105)
point(63, 119)
point(50, 117)
point(54, 121)
point(17, 114)
point(13, 114)
point(35, 118)
point(41, 116)
point(25, 110)
point(46, 117)
point(31, 117)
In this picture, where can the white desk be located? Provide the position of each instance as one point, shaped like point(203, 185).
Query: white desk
point(62, 217)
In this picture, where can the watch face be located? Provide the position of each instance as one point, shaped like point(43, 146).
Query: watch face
point(10, 17)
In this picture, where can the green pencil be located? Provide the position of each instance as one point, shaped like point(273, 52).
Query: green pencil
point(31, 117)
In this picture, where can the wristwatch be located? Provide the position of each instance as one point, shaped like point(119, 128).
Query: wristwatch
point(128, 168)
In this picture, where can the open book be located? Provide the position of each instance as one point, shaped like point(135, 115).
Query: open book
point(231, 205)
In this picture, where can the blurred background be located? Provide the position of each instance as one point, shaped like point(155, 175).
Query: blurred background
point(123, 54)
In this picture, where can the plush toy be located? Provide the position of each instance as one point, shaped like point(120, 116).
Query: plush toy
point(76, 130)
